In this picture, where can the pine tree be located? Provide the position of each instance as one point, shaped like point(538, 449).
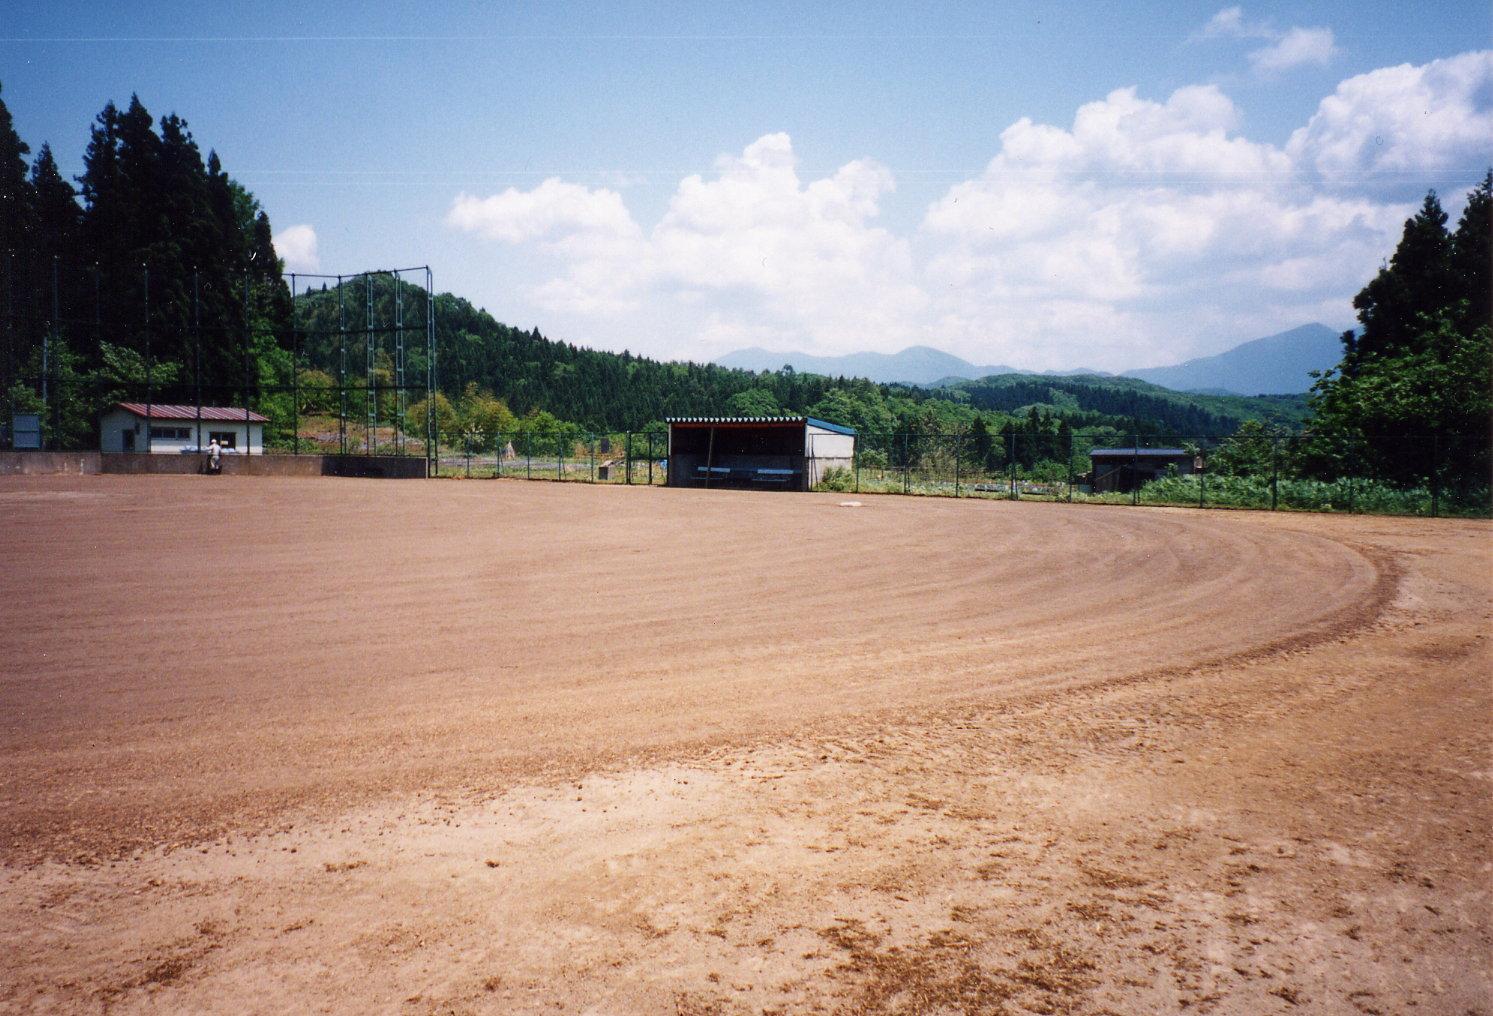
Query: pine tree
point(15, 190)
point(1472, 255)
point(59, 220)
point(1418, 280)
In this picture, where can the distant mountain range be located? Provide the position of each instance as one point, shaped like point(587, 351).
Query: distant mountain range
point(1274, 365)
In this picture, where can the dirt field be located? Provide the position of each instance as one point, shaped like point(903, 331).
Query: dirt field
point(429, 747)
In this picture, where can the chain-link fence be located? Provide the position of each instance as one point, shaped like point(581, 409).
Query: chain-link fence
point(623, 457)
point(1384, 474)
point(1428, 475)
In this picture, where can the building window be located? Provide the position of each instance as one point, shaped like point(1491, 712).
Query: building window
point(169, 433)
point(225, 438)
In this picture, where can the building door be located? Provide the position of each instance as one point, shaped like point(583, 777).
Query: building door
point(129, 439)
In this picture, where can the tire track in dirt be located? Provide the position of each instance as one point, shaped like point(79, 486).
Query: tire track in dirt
point(338, 640)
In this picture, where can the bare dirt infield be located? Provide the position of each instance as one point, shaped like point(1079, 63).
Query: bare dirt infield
point(363, 746)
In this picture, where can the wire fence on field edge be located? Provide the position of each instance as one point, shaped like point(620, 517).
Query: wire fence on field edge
point(1428, 475)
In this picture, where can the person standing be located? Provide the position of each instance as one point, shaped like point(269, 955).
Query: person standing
point(214, 457)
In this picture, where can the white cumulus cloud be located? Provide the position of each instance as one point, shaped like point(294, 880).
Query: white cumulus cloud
point(1229, 23)
point(1287, 48)
point(552, 210)
point(1125, 223)
point(296, 246)
point(1143, 231)
point(1403, 122)
point(1296, 48)
point(801, 258)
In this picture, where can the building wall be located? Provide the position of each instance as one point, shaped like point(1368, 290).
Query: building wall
point(826, 444)
point(115, 422)
point(826, 450)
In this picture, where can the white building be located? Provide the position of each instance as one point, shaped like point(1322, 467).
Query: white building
point(180, 430)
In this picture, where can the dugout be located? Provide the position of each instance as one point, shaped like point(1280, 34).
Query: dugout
point(1122, 470)
point(756, 452)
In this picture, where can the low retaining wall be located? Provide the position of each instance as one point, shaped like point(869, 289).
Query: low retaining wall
point(38, 463)
point(35, 463)
point(377, 466)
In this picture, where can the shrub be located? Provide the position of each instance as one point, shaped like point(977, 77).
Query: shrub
point(838, 479)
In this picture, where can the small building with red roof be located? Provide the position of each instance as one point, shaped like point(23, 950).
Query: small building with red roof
point(168, 429)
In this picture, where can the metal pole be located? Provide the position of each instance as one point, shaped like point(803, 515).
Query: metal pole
point(295, 375)
point(906, 464)
point(1274, 472)
point(248, 342)
point(148, 393)
point(46, 347)
point(430, 370)
point(1070, 467)
point(627, 456)
point(342, 367)
point(709, 457)
point(591, 449)
point(197, 353)
point(1011, 464)
point(370, 444)
point(398, 366)
point(1135, 470)
point(650, 458)
point(1202, 476)
point(1435, 474)
point(958, 450)
point(10, 340)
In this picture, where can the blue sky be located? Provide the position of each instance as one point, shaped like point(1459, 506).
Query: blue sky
point(1044, 185)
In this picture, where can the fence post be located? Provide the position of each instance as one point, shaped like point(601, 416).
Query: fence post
point(1274, 472)
point(1011, 465)
point(1202, 476)
point(295, 375)
point(1135, 470)
point(1435, 474)
point(1070, 467)
point(497, 456)
point(857, 463)
point(906, 465)
point(958, 448)
point(627, 457)
point(650, 458)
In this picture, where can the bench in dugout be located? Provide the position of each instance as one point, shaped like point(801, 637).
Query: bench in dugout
point(761, 475)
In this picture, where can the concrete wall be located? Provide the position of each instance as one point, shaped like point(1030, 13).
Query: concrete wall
point(38, 463)
point(273, 465)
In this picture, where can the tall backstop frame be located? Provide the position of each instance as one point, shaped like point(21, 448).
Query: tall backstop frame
point(336, 361)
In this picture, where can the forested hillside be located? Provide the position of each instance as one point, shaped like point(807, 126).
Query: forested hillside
point(619, 391)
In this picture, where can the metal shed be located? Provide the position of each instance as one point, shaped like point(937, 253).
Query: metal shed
point(756, 452)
